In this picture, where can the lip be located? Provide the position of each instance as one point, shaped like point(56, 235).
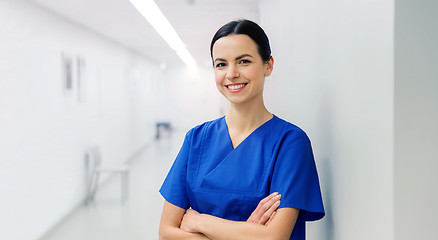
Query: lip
point(236, 85)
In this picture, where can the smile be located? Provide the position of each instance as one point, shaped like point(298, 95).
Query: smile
point(236, 86)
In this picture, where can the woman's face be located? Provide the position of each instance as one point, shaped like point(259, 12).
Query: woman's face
point(239, 69)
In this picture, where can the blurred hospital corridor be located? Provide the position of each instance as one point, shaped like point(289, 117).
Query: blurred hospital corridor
point(108, 216)
point(96, 97)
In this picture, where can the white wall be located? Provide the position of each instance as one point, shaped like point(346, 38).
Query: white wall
point(416, 119)
point(45, 132)
point(192, 97)
point(374, 134)
point(333, 76)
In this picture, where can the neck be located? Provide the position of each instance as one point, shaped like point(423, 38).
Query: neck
point(248, 116)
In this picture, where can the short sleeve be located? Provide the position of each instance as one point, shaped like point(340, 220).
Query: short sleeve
point(174, 186)
point(295, 177)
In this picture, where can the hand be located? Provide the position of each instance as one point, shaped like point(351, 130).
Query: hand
point(265, 211)
point(190, 221)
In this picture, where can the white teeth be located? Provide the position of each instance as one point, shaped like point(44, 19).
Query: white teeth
point(237, 86)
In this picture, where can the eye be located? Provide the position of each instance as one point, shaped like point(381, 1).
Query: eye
point(219, 65)
point(244, 61)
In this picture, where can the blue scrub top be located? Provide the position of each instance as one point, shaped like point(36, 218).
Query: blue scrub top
point(212, 177)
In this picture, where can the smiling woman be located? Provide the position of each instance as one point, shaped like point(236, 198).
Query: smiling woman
point(249, 174)
point(240, 69)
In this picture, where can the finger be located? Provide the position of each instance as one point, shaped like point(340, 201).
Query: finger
point(268, 213)
point(267, 202)
point(257, 212)
point(260, 215)
point(267, 205)
point(266, 199)
point(191, 211)
point(262, 207)
point(270, 219)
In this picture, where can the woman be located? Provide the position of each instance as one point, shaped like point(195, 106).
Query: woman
point(230, 173)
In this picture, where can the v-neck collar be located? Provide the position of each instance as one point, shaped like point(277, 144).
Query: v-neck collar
point(230, 142)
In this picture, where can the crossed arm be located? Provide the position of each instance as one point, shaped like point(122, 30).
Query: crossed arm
point(178, 223)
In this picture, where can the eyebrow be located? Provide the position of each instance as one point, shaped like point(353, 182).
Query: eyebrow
point(242, 56)
point(237, 58)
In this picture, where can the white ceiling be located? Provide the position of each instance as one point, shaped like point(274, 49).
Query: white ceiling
point(195, 21)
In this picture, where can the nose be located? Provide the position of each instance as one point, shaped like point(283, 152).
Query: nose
point(232, 72)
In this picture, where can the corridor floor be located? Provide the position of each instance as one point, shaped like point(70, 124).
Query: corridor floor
point(136, 218)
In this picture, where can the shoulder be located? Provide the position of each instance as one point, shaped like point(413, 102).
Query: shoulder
point(294, 147)
point(207, 127)
point(288, 130)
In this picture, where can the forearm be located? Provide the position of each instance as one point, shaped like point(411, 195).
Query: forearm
point(280, 228)
point(213, 227)
point(221, 229)
point(172, 233)
point(171, 222)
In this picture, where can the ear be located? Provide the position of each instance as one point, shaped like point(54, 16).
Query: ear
point(269, 67)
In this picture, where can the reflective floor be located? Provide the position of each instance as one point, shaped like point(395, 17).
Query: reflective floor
point(138, 217)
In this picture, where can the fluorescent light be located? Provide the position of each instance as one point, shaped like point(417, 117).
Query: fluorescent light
point(153, 14)
point(186, 57)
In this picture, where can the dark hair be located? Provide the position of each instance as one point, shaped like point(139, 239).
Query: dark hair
point(249, 28)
